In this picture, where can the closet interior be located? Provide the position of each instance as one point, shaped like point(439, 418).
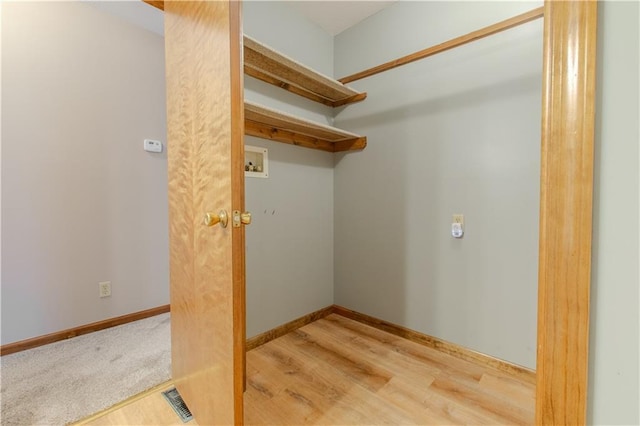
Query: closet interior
point(272, 67)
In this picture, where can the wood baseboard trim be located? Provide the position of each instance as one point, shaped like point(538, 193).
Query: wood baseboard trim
point(283, 329)
point(452, 349)
point(78, 331)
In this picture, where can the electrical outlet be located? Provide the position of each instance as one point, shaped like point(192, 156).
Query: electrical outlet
point(458, 218)
point(105, 288)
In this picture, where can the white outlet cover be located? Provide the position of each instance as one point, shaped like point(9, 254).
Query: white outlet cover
point(456, 230)
point(105, 288)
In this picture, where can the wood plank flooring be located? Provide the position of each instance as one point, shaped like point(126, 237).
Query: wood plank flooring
point(149, 409)
point(336, 371)
point(339, 371)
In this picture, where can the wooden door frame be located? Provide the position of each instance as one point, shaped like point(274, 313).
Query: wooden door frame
point(238, 201)
point(568, 105)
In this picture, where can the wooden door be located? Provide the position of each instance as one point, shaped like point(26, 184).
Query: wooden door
point(205, 160)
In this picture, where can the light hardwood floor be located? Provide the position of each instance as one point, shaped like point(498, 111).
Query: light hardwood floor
point(148, 408)
point(339, 371)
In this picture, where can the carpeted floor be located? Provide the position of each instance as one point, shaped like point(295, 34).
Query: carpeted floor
point(69, 380)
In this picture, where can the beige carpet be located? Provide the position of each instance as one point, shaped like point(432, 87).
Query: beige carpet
point(69, 380)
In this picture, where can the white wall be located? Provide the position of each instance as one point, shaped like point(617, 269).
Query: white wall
point(81, 201)
point(456, 133)
point(615, 334)
point(290, 242)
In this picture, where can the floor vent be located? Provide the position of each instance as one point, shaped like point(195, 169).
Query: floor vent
point(178, 405)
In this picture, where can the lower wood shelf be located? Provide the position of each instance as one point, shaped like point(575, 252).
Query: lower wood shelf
point(267, 123)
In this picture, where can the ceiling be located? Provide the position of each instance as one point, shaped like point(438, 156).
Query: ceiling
point(335, 16)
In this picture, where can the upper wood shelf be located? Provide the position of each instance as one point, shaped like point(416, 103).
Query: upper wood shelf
point(270, 124)
point(266, 64)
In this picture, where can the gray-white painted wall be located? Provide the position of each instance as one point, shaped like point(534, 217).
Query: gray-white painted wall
point(614, 361)
point(289, 245)
point(455, 133)
point(290, 242)
point(81, 201)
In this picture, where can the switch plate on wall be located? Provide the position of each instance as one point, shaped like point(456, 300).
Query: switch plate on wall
point(105, 288)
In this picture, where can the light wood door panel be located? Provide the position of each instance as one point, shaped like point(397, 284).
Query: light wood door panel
point(205, 150)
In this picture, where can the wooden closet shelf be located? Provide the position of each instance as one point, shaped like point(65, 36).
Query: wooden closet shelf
point(266, 123)
point(268, 65)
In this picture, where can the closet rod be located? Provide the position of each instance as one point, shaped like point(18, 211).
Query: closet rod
point(458, 41)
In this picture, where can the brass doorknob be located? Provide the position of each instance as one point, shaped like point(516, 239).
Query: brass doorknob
point(211, 219)
point(241, 218)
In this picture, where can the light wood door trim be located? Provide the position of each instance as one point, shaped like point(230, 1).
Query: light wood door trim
point(565, 211)
point(204, 123)
point(238, 195)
